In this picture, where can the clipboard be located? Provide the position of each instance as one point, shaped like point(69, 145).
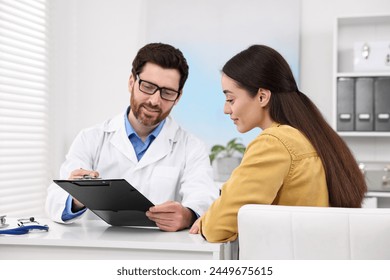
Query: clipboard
point(115, 201)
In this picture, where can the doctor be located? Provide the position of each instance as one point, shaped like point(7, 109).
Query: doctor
point(146, 147)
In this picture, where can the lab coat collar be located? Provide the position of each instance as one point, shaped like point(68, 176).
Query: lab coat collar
point(119, 139)
point(160, 147)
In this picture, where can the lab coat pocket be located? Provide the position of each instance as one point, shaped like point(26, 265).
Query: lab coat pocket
point(164, 183)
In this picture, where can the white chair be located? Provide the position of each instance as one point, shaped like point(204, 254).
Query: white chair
point(306, 233)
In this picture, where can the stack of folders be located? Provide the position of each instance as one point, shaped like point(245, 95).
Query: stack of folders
point(363, 104)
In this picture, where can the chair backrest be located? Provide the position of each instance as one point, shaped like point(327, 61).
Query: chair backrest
point(294, 232)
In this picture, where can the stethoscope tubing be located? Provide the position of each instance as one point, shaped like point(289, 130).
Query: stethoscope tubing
point(23, 229)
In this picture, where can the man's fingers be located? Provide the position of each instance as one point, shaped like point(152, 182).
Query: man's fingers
point(160, 216)
point(166, 207)
point(165, 221)
point(79, 173)
point(166, 227)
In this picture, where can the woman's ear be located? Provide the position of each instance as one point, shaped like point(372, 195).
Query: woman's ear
point(264, 96)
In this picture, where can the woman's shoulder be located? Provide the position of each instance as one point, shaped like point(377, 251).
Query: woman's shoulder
point(282, 131)
point(292, 138)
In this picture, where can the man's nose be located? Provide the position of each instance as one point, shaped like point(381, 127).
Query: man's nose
point(155, 98)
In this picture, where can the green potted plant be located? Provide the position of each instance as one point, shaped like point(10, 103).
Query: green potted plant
point(225, 159)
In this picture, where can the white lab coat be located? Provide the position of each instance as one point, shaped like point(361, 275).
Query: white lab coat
point(175, 167)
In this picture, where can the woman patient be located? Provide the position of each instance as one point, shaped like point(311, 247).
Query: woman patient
point(297, 159)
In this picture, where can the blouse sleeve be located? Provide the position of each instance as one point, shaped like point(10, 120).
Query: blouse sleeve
point(257, 180)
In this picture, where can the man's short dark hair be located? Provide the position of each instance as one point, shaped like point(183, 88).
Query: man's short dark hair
point(165, 56)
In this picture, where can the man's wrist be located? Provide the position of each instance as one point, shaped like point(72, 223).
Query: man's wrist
point(76, 206)
point(194, 216)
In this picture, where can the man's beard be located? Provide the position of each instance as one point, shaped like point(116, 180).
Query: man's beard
point(143, 115)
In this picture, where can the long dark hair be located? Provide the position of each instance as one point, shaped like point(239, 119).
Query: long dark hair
point(262, 67)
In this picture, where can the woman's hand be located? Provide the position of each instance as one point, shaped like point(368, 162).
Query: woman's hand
point(195, 229)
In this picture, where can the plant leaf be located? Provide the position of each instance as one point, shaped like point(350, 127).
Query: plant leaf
point(217, 148)
point(232, 146)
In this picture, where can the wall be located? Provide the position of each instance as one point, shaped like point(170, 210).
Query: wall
point(317, 26)
point(209, 33)
point(95, 41)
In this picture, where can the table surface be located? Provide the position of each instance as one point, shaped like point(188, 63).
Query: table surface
point(98, 234)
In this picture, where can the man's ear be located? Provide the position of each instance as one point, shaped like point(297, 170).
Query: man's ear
point(264, 96)
point(131, 83)
point(177, 100)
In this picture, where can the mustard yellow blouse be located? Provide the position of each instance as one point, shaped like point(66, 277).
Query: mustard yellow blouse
point(279, 167)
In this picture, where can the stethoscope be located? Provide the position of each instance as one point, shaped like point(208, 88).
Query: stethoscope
point(3, 222)
point(24, 226)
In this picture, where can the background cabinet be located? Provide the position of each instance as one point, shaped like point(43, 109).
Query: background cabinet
point(364, 78)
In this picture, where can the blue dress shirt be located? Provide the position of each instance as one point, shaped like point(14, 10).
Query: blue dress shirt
point(141, 147)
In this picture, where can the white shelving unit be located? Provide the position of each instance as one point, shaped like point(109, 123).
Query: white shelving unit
point(349, 30)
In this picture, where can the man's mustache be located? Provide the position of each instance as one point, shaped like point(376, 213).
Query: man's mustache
point(151, 107)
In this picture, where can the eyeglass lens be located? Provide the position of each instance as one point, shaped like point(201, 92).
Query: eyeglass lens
point(165, 93)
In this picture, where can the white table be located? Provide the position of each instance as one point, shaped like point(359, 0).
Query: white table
point(94, 239)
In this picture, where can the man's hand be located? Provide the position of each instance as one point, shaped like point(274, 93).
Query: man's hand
point(78, 174)
point(170, 216)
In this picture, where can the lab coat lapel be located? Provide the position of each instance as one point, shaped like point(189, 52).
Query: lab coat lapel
point(120, 140)
point(162, 145)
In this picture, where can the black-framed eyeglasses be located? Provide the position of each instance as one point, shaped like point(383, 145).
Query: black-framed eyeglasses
point(150, 88)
